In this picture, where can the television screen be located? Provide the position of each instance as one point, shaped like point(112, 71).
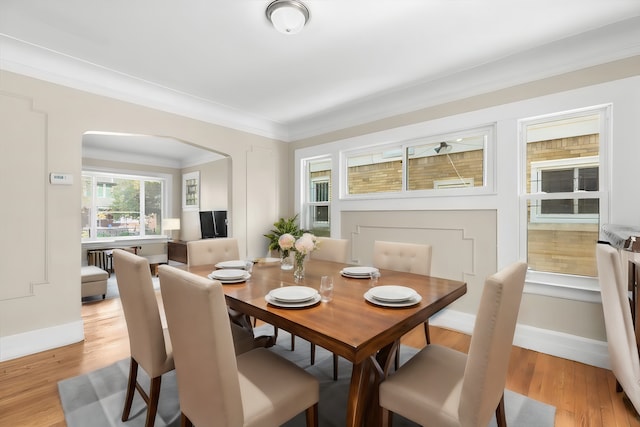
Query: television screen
point(220, 222)
point(207, 228)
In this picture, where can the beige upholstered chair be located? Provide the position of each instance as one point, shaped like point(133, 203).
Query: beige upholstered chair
point(408, 258)
point(328, 249)
point(149, 342)
point(623, 349)
point(212, 251)
point(335, 250)
point(216, 388)
point(440, 386)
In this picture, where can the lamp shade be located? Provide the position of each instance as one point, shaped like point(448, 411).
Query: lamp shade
point(288, 16)
point(171, 224)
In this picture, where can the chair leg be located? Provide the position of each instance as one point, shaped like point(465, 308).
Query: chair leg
point(312, 415)
point(313, 353)
point(293, 342)
point(501, 417)
point(184, 421)
point(152, 405)
point(397, 358)
point(131, 388)
point(386, 420)
point(427, 335)
point(335, 367)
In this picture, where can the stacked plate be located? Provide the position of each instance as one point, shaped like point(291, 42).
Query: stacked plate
point(229, 275)
point(293, 296)
point(392, 296)
point(235, 264)
point(358, 272)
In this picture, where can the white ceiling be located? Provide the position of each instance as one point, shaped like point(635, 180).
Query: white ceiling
point(355, 61)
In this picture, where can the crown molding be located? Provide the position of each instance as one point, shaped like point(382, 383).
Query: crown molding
point(606, 44)
point(44, 64)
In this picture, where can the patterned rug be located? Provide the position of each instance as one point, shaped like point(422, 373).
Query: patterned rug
point(96, 399)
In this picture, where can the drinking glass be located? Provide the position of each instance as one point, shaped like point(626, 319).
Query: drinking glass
point(374, 276)
point(248, 266)
point(326, 288)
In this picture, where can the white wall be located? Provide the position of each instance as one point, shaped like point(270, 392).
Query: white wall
point(571, 315)
point(42, 125)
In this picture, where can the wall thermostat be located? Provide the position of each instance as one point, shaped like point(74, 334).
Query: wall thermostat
point(61, 178)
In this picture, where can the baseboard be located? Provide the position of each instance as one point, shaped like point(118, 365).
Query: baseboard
point(14, 346)
point(572, 347)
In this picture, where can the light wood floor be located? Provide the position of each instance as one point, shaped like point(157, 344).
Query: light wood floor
point(582, 394)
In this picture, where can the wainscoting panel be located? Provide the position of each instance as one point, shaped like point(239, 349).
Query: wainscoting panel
point(463, 242)
point(24, 195)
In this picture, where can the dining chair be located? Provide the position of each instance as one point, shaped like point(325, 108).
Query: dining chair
point(216, 388)
point(618, 322)
point(211, 252)
point(405, 257)
point(444, 387)
point(149, 343)
point(335, 250)
point(330, 249)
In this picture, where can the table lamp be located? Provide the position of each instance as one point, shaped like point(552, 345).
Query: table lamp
point(169, 225)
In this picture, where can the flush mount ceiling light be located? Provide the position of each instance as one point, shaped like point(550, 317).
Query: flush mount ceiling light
point(287, 16)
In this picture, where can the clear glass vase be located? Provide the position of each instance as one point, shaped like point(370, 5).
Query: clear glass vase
point(285, 261)
point(298, 271)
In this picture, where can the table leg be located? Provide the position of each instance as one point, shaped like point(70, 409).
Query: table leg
point(363, 404)
point(356, 401)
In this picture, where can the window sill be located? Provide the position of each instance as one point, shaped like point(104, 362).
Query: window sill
point(576, 288)
point(122, 242)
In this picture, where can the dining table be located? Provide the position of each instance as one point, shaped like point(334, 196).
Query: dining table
point(365, 333)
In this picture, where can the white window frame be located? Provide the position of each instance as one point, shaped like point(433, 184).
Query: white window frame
point(166, 190)
point(568, 163)
point(565, 284)
point(306, 192)
point(401, 147)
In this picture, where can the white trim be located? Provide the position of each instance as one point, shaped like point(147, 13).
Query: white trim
point(584, 350)
point(14, 346)
point(600, 46)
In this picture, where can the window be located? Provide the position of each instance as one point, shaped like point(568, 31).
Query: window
point(565, 191)
point(571, 175)
point(118, 205)
point(318, 196)
point(436, 163)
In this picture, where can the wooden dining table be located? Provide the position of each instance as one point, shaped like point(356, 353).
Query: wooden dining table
point(365, 334)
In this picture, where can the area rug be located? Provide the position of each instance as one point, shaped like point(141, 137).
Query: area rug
point(96, 399)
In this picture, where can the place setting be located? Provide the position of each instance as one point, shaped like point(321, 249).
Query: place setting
point(293, 297)
point(392, 296)
point(237, 264)
point(230, 275)
point(359, 272)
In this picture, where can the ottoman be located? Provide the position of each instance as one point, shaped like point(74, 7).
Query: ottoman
point(94, 281)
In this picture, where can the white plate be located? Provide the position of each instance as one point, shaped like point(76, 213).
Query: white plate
point(355, 276)
point(227, 274)
point(392, 293)
point(407, 303)
point(282, 304)
point(238, 263)
point(358, 271)
point(229, 281)
point(291, 294)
